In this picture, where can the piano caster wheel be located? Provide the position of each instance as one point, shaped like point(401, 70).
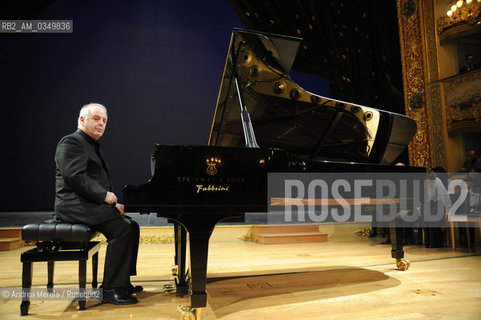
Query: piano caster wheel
point(188, 313)
point(402, 264)
point(175, 270)
point(169, 288)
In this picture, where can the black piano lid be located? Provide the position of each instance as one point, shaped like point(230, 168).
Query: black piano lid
point(288, 117)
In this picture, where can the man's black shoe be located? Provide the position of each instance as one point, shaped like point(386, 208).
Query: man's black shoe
point(118, 297)
point(135, 289)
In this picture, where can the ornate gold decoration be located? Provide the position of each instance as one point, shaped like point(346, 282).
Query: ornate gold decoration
point(144, 238)
point(162, 238)
point(364, 232)
point(463, 100)
point(249, 236)
point(430, 42)
point(438, 125)
point(408, 8)
point(412, 52)
point(467, 14)
point(433, 100)
point(416, 100)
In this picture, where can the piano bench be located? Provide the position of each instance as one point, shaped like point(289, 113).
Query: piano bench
point(58, 241)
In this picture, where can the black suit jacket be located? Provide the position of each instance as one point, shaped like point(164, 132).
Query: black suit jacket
point(471, 67)
point(82, 181)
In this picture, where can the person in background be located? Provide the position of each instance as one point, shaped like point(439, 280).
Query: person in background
point(473, 206)
point(439, 199)
point(472, 163)
point(385, 231)
point(469, 65)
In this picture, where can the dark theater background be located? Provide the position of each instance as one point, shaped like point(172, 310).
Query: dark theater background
point(157, 67)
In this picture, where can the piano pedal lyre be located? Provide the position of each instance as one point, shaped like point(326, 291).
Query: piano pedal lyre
point(175, 270)
point(189, 313)
point(169, 288)
point(402, 264)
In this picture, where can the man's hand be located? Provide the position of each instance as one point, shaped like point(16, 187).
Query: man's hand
point(120, 208)
point(110, 198)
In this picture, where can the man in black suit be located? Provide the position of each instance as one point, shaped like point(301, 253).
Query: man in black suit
point(472, 163)
point(470, 65)
point(84, 195)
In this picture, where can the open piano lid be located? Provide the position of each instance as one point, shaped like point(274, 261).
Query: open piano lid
point(288, 117)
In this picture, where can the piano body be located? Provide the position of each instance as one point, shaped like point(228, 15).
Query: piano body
point(264, 122)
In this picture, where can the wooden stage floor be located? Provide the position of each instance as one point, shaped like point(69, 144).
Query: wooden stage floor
point(348, 277)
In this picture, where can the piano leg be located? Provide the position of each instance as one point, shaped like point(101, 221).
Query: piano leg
point(397, 251)
point(181, 285)
point(199, 227)
point(199, 248)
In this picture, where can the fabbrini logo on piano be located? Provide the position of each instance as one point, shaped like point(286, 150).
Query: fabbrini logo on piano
point(201, 188)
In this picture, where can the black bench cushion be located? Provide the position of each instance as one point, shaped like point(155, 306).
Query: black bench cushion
point(57, 231)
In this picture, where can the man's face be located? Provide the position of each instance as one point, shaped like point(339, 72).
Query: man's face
point(94, 124)
point(471, 155)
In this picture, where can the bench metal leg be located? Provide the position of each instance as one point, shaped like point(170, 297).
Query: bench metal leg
point(26, 285)
point(50, 268)
point(82, 279)
point(95, 264)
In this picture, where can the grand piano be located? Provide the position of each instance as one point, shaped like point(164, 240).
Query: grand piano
point(264, 123)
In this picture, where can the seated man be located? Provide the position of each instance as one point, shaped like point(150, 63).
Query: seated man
point(470, 65)
point(472, 163)
point(84, 195)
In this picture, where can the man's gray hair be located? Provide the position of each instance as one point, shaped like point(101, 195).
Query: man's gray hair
point(84, 112)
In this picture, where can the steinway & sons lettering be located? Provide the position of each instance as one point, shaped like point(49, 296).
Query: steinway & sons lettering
point(209, 180)
point(202, 188)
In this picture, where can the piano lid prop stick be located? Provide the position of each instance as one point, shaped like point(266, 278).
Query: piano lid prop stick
point(246, 120)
